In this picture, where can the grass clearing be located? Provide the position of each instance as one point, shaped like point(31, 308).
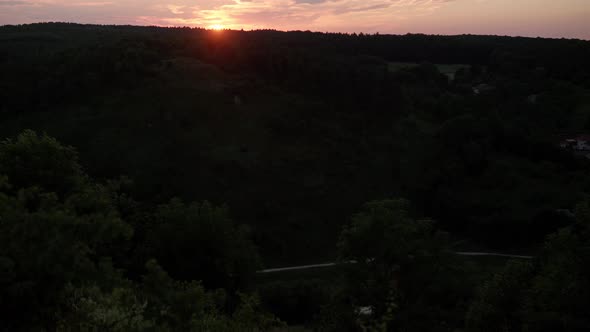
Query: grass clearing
point(446, 69)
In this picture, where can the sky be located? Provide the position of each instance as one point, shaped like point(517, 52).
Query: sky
point(545, 18)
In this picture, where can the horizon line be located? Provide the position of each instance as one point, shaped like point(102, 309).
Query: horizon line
point(287, 31)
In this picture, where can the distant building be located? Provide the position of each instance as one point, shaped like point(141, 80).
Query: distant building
point(580, 145)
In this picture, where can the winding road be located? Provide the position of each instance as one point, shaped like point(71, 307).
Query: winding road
point(315, 266)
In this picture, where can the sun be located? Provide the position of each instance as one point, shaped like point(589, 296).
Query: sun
point(216, 27)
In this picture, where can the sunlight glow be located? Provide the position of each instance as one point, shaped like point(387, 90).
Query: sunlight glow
point(549, 18)
point(216, 27)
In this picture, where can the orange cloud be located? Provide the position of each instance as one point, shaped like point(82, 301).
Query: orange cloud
point(523, 17)
point(300, 14)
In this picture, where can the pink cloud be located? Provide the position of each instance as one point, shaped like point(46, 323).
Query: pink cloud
point(525, 17)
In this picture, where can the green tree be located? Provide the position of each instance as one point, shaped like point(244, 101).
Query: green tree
point(89, 309)
point(403, 268)
point(187, 306)
point(552, 294)
point(560, 294)
point(500, 302)
point(59, 230)
point(199, 241)
point(33, 160)
point(56, 226)
point(158, 304)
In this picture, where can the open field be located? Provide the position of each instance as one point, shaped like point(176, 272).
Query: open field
point(447, 69)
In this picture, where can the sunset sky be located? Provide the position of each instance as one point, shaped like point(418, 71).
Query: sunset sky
point(548, 18)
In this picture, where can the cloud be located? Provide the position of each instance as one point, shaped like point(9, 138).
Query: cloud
point(282, 14)
point(400, 16)
point(310, 1)
point(296, 14)
point(12, 3)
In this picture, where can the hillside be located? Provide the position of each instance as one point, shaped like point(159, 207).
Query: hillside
point(293, 132)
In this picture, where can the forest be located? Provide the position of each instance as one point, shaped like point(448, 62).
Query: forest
point(148, 175)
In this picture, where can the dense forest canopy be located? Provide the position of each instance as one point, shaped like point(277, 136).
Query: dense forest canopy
point(155, 170)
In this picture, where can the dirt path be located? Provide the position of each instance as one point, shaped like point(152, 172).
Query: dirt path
point(460, 253)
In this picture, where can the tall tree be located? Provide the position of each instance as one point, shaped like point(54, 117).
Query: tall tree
point(403, 269)
point(199, 241)
point(56, 227)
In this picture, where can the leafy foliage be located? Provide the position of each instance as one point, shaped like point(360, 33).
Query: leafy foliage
point(55, 226)
point(59, 231)
point(200, 241)
point(551, 295)
point(295, 132)
point(403, 271)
